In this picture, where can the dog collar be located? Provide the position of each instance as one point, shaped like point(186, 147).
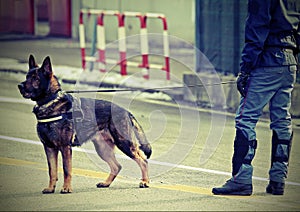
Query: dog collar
point(67, 115)
point(50, 119)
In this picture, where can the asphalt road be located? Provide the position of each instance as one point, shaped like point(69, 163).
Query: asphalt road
point(180, 178)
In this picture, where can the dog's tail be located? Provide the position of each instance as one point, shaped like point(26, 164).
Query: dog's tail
point(140, 135)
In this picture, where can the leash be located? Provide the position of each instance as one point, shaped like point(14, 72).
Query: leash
point(149, 89)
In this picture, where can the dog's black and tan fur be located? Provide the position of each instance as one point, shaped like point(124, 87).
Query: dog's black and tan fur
point(104, 123)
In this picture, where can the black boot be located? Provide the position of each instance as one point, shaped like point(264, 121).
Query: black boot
point(277, 188)
point(233, 188)
point(244, 151)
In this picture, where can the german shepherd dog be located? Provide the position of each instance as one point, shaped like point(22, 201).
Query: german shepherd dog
point(59, 128)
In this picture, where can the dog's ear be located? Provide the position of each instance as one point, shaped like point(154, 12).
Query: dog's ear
point(47, 67)
point(32, 63)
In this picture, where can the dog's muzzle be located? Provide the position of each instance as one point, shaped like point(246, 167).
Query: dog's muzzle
point(22, 90)
point(21, 86)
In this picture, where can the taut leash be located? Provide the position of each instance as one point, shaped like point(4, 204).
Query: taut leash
point(149, 89)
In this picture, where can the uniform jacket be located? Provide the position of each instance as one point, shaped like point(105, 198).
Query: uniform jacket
point(272, 34)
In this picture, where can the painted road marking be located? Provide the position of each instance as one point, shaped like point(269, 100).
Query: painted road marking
point(16, 100)
point(171, 187)
point(102, 175)
point(15, 162)
point(22, 140)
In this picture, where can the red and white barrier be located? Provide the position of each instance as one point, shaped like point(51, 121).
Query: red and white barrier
point(165, 42)
point(101, 45)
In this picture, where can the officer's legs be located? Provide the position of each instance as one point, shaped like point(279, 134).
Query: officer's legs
point(282, 134)
point(263, 84)
point(248, 113)
point(244, 151)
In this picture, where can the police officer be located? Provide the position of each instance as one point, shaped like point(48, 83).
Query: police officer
point(267, 74)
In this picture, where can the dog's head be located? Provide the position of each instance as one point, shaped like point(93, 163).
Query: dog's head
point(40, 81)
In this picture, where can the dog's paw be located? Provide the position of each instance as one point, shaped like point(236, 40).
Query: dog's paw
point(102, 185)
point(66, 190)
point(144, 185)
point(48, 191)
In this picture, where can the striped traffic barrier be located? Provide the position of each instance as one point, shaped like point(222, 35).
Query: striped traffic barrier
point(144, 45)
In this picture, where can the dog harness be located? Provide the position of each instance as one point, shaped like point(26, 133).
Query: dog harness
point(61, 96)
point(46, 106)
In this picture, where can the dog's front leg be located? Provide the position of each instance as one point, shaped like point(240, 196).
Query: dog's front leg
point(67, 166)
point(52, 155)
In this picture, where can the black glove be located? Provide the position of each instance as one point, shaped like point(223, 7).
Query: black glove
point(241, 82)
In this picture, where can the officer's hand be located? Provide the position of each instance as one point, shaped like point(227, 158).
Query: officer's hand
point(241, 83)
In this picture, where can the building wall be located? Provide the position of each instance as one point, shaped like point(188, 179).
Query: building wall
point(220, 32)
point(17, 16)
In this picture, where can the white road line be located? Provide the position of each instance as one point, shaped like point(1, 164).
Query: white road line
point(22, 140)
point(16, 100)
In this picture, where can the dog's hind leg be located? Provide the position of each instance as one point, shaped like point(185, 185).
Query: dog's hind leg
point(143, 164)
point(133, 151)
point(128, 144)
point(52, 155)
point(104, 146)
point(66, 152)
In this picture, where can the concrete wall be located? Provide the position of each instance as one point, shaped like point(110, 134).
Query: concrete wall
point(180, 16)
